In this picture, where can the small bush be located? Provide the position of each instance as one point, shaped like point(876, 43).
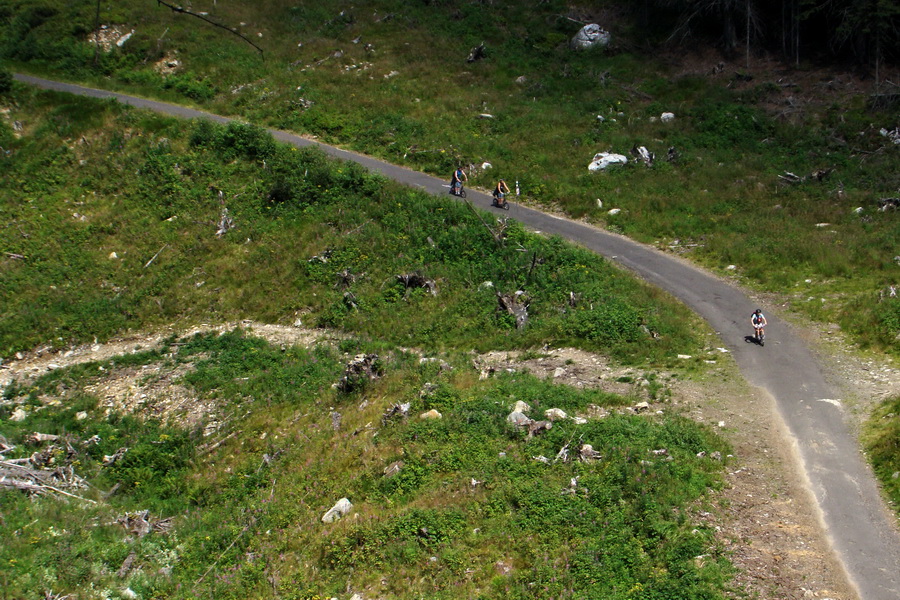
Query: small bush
point(6, 80)
point(607, 322)
point(205, 134)
point(248, 141)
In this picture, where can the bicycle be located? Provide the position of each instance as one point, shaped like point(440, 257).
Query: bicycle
point(759, 334)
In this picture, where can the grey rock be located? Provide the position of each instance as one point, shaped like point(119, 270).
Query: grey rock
point(518, 419)
point(340, 509)
point(591, 36)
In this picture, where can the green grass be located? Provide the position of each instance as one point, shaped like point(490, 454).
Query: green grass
point(69, 198)
point(720, 197)
point(245, 526)
point(882, 442)
point(97, 251)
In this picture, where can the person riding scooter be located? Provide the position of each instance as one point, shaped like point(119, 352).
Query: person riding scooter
point(500, 194)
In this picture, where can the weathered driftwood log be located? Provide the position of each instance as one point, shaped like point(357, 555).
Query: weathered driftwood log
point(37, 438)
point(16, 474)
point(516, 305)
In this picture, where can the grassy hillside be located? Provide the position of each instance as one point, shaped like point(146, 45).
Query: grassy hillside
point(238, 514)
point(110, 218)
point(391, 78)
point(237, 447)
point(113, 216)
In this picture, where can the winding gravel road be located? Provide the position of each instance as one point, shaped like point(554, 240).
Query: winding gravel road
point(862, 531)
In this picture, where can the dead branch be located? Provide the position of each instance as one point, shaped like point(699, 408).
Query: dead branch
point(636, 92)
point(149, 262)
point(268, 459)
point(58, 491)
point(352, 231)
point(494, 235)
point(179, 9)
point(5, 446)
point(126, 565)
point(476, 53)
point(37, 438)
point(206, 450)
point(109, 459)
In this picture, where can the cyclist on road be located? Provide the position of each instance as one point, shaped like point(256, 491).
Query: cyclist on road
point(758, 320)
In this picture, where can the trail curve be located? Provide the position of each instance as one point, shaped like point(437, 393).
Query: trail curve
point(863, 533)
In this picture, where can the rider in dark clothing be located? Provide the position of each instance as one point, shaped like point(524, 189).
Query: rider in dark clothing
point(456, 182)
point(500, 192)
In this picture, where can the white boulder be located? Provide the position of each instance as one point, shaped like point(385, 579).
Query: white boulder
point(521, 407)
point(341, 509)
point(604, 159)
point(667, 117)
point(555, 414)
point(518, 419)
point(590, 36)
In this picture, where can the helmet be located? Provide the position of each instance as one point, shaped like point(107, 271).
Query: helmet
point(757, 311)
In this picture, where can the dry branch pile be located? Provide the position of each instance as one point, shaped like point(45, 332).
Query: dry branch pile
point(49, 470)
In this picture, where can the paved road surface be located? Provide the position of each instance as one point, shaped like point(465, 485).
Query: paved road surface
point(863, 533)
